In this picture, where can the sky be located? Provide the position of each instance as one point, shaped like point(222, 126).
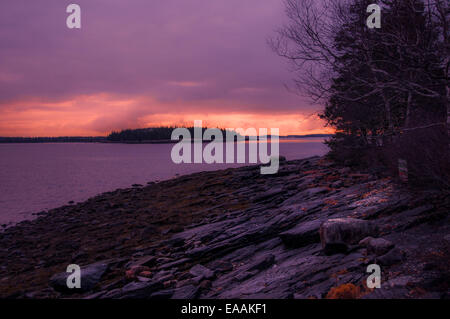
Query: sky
point(141, 63)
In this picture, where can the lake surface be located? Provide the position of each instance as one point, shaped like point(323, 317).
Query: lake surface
point(37, 177)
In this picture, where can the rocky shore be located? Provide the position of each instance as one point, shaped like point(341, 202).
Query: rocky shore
point(309, 231)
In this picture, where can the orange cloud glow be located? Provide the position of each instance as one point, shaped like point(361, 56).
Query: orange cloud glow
point(101, 113)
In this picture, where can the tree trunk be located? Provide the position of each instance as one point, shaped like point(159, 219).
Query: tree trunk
point(387, 107)
point(408, 109)
point(448, 113)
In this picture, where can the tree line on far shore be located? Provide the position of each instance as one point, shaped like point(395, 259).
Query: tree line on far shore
point(163, 133)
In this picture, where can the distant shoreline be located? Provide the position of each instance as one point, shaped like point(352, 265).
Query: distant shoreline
point(101, 139)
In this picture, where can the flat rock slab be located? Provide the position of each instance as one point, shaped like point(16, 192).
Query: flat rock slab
point(261, 263)
point(135, 290)
point(268, 194)
point(317, 190)
point(302, 235)
point(186, 292)
point(392, 257)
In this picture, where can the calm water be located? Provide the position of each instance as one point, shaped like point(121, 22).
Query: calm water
point(36, 177)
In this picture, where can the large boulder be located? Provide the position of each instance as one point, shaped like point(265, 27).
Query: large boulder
point(337, 234)
point(377, 246)
point(201, 271)
point(302, 234)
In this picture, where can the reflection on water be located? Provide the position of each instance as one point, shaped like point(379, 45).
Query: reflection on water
point(36, 177)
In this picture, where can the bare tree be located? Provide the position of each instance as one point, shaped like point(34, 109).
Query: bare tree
point(308, 41)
